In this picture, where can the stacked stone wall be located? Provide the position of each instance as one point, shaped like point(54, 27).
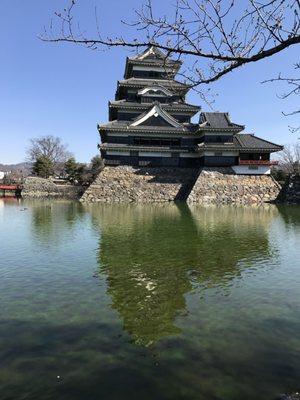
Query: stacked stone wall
point(146, 185)
point(222, 186)
point(45, 188)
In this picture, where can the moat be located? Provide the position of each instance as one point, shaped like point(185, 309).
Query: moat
point(158, 301)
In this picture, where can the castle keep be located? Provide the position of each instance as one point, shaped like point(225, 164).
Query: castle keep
point(150, 125)
point(153, 152)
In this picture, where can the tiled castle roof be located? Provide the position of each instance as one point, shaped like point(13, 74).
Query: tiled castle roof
point(250, 141)
point(168, 106)
point(152, 57)
point(143, 82)
point(217, 120)
point(125, 126)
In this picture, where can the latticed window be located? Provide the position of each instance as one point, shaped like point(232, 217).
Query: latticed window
point(153, 98)
point(112, 162)
point(156, 142)
point(144, 163)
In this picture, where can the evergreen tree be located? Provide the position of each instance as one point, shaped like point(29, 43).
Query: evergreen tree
point(96, 165)
point(76, 172)
point(43, 167)
point(71, 169)
point(82, 174)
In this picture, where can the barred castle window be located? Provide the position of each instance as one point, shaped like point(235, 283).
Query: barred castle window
point(112, 162)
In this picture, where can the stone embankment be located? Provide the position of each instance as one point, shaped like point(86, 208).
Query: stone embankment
point(144, 185)
point(222, 186)
point(208, 186)
point(40, 188)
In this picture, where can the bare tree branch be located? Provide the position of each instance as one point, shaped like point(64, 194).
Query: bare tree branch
point(290, 158)
point(48, 146)
point(294, 89)
point(217, 36)
point(199, 25)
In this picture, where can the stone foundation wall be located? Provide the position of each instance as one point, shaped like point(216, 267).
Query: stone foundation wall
point(222, 186)
point(141, 184)
point(208, 186)
point(44, 188)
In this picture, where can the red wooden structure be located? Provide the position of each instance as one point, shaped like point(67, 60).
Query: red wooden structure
point(9, 187)
point(10, 190)
point(258, 162)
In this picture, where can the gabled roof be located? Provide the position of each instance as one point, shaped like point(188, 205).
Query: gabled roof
point(155, 54)
point(156, 111)
point(247, 141)
point(156, 88)
point(150, 53)
point(218, 120)
point(152, 57)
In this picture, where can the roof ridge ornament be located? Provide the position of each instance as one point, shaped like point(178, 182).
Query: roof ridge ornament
point(157, 111)
point(156, 88)
point(151, 50)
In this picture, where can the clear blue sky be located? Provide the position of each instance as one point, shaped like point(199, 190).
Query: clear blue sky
point(63, 89)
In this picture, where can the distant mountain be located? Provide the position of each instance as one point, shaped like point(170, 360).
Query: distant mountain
point(25, 167)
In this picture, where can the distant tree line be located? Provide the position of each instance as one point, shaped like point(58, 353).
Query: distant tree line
point(50, 157)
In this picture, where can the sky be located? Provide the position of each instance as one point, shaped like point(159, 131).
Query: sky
point(64, 89)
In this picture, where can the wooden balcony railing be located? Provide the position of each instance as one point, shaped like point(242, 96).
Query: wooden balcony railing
point(258, 162)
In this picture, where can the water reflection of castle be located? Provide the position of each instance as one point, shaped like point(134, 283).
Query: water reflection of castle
point(154, 255)
point(51, 220)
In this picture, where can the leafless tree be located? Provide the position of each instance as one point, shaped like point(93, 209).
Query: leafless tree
point(293, 84)
point(50, 147)
point(290, 159)
point(15, 176)
point(218, 31)
point(217, 36)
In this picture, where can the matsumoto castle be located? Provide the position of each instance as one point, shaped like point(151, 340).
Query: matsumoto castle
point(150, 125)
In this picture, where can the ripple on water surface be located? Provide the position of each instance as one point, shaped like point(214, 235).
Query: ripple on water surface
point(148, 301)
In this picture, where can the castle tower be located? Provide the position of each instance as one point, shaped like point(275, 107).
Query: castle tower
point(150, 124)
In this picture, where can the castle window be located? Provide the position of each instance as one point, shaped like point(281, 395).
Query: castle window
point(112, 162)
point(144, 163)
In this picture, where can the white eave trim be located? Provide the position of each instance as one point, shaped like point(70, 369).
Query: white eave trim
point(157, 111)
point(155, 88)
point(151, 51)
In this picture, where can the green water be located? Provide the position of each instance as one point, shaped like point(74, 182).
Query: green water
point(148, 302)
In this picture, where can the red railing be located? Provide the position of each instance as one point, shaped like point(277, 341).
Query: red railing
point(9, 187)
point(258, 162)
point(10, 190)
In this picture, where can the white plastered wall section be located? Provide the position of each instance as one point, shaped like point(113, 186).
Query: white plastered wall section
point(251, 169)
